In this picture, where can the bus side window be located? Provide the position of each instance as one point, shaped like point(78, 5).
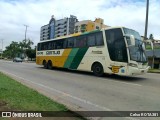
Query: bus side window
point(53, 45)
point(116, 45)
point(99, 39)
point(81, 41)
point(50, 46)
point(44, 46)
point(70, 42)
point(64, 43)
point(39, 46)
point(59, 44)
point(91, 40)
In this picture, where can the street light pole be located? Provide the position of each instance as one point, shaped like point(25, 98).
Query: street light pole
point(26, 30)
point(25, 38)
point(146, 23)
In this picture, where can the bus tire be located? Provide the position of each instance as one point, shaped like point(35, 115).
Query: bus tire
point(97, 69)
point(49, 64)
point(45, 65)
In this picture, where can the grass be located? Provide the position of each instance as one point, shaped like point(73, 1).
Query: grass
point(16, 96)
point(154, 70)
point(148, 47)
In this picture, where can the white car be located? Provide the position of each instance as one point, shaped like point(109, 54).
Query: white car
point(16, 59)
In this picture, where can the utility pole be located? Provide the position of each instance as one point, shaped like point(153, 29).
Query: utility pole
point(146, 23)
point(26, 30)
point(2, 45)
point(25, 39)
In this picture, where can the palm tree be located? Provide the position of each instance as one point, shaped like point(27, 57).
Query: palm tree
point(25, 44)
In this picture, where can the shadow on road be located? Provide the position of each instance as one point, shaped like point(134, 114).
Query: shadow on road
point(105, 76)
point(124, 78)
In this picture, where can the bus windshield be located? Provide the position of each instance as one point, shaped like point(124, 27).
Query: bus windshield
point(136, 52)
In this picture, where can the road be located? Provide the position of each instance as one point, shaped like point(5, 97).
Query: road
point(84, 91)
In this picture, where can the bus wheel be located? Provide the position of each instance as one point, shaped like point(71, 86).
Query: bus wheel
point(45, 65)
point(49, 65)
point(97, 69)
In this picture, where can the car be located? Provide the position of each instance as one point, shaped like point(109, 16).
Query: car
point(16, 59)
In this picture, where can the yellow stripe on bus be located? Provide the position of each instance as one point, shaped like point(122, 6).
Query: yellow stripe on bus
point(57, 61)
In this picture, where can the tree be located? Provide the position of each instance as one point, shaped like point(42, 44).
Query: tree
point(151, 37)
point(24, 45)
point(12, 50)
point(16, 49)
point(31, 53)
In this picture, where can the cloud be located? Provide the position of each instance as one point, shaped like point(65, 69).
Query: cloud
point(35, 13)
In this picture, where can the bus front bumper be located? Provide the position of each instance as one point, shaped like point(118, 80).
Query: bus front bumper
point(137, 71)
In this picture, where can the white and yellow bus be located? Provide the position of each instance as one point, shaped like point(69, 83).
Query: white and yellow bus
point(115, 50)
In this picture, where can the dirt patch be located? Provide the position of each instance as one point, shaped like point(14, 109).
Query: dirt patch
point(5, 107)
point(2, 103)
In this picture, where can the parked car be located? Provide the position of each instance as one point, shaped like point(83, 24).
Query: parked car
point(16, 59)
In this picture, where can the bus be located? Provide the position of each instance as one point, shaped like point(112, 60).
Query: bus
point(113, 50)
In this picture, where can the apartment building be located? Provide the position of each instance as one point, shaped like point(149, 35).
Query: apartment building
point(57, 28)
point(88, 25)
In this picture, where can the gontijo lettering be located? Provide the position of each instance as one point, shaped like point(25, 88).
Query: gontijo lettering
point(52, 52)
point(39, 53)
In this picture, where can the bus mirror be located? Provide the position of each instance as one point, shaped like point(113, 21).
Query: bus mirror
point(143, 46)
point(132, 40)
point(151, 45)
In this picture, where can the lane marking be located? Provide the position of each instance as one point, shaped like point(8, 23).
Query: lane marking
point(122, 82)
point(130, 83)
point(66, 94)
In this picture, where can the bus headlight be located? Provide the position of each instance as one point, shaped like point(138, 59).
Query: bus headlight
point(133, 65)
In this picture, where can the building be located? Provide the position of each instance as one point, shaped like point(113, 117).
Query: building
point(156, 54)
point(157, 41)
point(57, 28)
point(88, 25)
point(44, 35)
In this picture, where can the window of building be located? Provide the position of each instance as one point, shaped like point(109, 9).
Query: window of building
point(82, 30)
point(97, 27)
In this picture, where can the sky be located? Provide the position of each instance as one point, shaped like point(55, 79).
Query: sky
point(14, 14)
